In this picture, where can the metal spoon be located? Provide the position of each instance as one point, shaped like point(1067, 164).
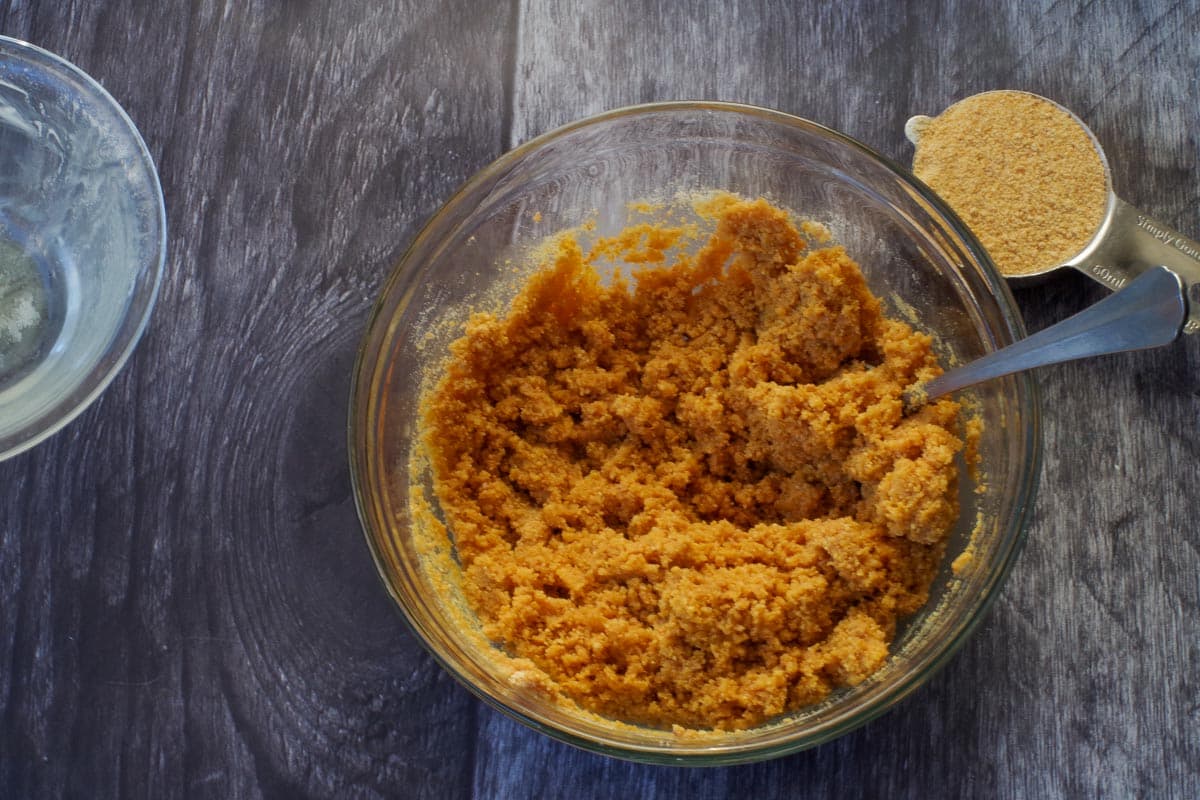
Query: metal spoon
point(1149, 312)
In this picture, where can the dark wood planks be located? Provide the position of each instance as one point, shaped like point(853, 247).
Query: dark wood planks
point(186, 605)
point(189, 607)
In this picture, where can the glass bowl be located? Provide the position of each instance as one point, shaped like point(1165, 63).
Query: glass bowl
point(82, 242)
point(917, 257)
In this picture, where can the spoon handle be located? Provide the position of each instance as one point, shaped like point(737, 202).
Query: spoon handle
point(1148, 312)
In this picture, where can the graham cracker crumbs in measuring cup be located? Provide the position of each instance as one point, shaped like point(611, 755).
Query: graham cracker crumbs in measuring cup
point(1024, 174)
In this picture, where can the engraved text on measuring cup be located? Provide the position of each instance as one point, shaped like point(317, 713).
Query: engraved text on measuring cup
point(1109, 276)
point(1166, 237)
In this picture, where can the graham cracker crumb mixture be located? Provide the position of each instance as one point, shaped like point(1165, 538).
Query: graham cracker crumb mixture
point(690, 498)
point(1023, 174)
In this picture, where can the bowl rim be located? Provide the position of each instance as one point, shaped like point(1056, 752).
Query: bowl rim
point(366, 374)
point(145, 293)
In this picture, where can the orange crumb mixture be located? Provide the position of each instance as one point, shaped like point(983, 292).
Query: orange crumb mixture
point(692, 499)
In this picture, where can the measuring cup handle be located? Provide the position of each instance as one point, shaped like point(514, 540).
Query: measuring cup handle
point(1130, 243)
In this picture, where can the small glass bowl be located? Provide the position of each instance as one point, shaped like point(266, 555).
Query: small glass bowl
point(917, 256)
point(82, 242)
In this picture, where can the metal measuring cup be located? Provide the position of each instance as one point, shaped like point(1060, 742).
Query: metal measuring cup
point(1126, 243)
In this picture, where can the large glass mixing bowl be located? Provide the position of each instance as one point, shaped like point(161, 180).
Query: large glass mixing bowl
point(917, 257)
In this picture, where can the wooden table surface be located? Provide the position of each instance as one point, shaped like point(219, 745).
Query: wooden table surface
point(187, 605)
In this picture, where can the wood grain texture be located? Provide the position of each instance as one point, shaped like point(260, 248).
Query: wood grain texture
point(189, 607)
point(186, 604)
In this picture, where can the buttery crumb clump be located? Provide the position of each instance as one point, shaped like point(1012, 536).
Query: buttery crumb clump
point(690, 497)
point(1024, 174)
